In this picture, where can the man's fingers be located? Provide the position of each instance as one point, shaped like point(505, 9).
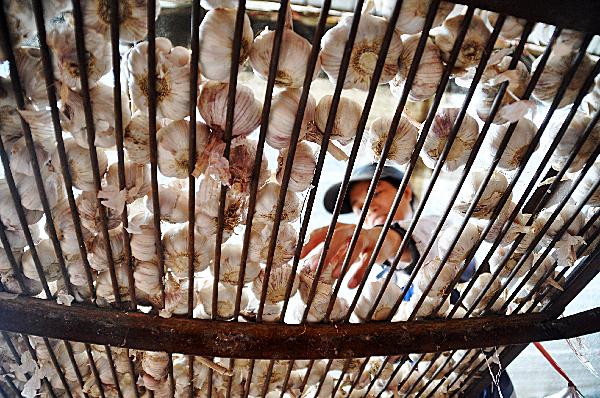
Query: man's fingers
point(315, 239)
point(363, 262)
point(337, 259)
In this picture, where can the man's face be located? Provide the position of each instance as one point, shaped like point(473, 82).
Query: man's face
point(380, 204)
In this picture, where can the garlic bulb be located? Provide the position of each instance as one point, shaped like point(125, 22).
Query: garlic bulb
point(473, 45)
point(81, 360)
point(73, 115)
point(318, 310)
point(212, 4)
point(20, 22)
point(429, 72)
point(16, 237)
point(518, 143)
point(78, 277)
point(146, 276)
point(48, 262)
point(480, 284)
point(20, 158)
point(61, 40)
point(464, 245)
point(172, 78)
point(412, 13)
point(30, 196)
point(143, 242)
point(282, 116)
point(155, 364)
point(216, 43)
point(438, 135)
point(10, 283)
point(132, 18)
point(80, 164)
point(403, 143)
point(104, 288)
point(566, 146)
point(213, 103)
point(493, 191)
point(510, 264)
point(443, 280)
point(173, 201)
point(293, 56)
point(371, 31)
point(207, 209)
point(97, 254)
point(285, 245)
point(241, 165)
point(175, 244)
point(515, 228)
point(303, 167)
point(8, 212)
point(586, 185)
point(266, 204)
point(229, 270)
point(172, 144)
point(544, 268)
point(495, 73)
point(5, 265)
point(260, 376)
point(385, 305)
point(512, 27)
point(551, 78)
point(225, 301)
point(90, 213)
point(65, 229)
point(137, 180)
point(277, 284)
point(136, 138)
point(29, 65)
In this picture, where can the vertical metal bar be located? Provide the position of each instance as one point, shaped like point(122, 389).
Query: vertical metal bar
point(94, 369)
point(310, 67)
point(249, 379)
point(91, 137)
point(494, 109)
point(56, 365)
point(358, 375)
point(60, 146)
point(264, 124)
point(152, 101)
point(69, 349)
point(35, 166)
point(113, 370)
point(286, 380)
point(377, 376)
point(265, 388)
point(235, 56)
point(306, 376)
point(116, 64)
point(195, 47)
point(16, 269)
point(191, 375)
point(10, 383)
point(345, 61)
point(31, 350)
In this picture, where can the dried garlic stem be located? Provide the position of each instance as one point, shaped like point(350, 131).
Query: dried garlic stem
point(315, 135)
point(223, 371)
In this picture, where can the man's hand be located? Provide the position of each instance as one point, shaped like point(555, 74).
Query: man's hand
point(361, 254)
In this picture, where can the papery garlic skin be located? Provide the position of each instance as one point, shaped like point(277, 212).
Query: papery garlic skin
point(173, 201)
point(172, 78)
point(473, 45)
point(90, 214)
point(346, 119)
point(429, 72)
point(496, 261)
point(66, 230)
point(172, 145)
point(266, 204)
point(284, 108)
point(438, 134)
point(132, 18)
point(403, 143)
point(303, 167)
point(143, 241)
point(175, 244)
point(480, 284)
point(48, 262)
point(226, 299)
point(493, 191)
point(146, 276)
point(517, 146)
point(97, 253)
point(229, 270)
point(104, 288)
point(29, 65)
point(371, 31)
point(586, 185)
point(207, 209)
point(11, 284)
point(137, 180)
point(512, 27)
point(241, 165)
point(552, 76)
point(21, 160)
point(412, 13)
point(285, 244)
point(61, 40)
point(576, 129)
point(277, 284)
point(385, 305)
point(463, 246)
point(216, 43)
point(10, 217)
point(213, 103)
point(30, 194)
point(442, 282)
point(136, 138)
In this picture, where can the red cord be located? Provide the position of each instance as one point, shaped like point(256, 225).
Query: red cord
point(552, 362)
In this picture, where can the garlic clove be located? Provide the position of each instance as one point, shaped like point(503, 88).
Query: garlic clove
point(371, 31)
point(266, 204)
point(147, 281)
point(136, 138)
point(90, 213)
point(143, 241)
point(473, 45)
point(207, 209)
point(137, 180)
point(216, 43)
point(80, 165)
point(29, 66)
point(29, 193)
point(567, 144)
point(303, 167)
point(66, 231)
point(463, 246)
point(277, 284)
point(385, 305)
point(229, 270)
point(172, 145)
point(172, 78)
point(438, 134)
point(518, 143)
point(8, 212)
point(132, 18)
point(97, 252)
point(429, 72)
point(175, 244)
point(173, 201)
point(241, 165)
point(20, 159)
point(403, 143)
point(285, 244)
point(48, 262)
point(104, 288)
point(493, 191)
point(284, 108)
point(412, 13)
point(213, 103)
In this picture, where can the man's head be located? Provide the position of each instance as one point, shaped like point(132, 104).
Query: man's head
point(383, 197)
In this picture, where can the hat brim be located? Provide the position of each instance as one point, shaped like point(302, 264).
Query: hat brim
point(333, 192)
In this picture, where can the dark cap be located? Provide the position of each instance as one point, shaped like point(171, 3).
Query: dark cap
point(363, 173)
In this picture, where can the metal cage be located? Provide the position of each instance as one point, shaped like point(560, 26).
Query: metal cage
point(80, 343)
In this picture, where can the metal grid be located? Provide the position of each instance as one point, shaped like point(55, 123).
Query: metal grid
point(347, 366)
